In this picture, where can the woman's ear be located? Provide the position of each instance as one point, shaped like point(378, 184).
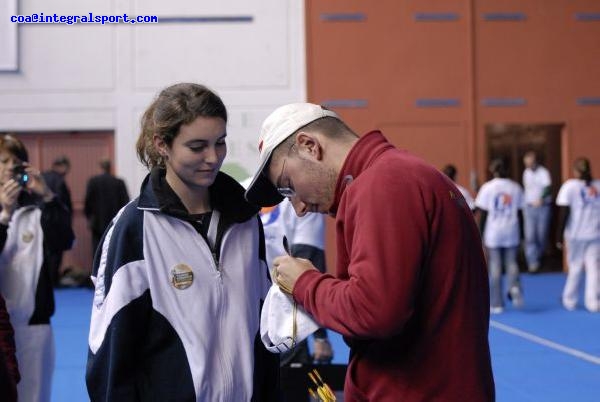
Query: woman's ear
point(309, 143)
point(160, 146)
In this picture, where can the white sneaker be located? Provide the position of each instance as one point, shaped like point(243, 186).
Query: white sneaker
point(592, 307)
point(516, 296)
point(570, 306)
point(496, 310)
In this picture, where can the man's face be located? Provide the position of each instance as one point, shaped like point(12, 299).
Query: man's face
point(310, 179)
point(62, 169)
point(529, 161)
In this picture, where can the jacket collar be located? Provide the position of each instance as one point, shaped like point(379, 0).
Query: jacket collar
point(226, 195)
point(362, 154)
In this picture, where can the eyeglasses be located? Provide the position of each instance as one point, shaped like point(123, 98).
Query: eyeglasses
point(286, 192)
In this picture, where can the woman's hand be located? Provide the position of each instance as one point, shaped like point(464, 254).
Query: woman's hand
point(9, 194)
point(36, 184)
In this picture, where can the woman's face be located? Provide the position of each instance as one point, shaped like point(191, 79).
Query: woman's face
point(197, 152)
point(7, 162)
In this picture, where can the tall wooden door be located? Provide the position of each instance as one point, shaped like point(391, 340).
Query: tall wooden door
point(84, 149)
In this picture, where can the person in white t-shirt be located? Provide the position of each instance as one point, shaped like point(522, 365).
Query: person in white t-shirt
point(306, 239)
point(579, 221)
point(450, 171)
point(538, 200)
point(500, 202)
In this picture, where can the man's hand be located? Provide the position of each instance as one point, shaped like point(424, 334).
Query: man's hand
point(287, 270)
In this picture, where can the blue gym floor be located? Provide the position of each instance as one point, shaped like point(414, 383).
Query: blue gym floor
point(540, 353)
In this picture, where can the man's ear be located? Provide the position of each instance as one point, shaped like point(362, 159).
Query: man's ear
point(310, 144)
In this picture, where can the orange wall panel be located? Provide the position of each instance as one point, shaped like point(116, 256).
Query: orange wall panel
point(437, 144)
point(585, 142)
point(84, 150)
point(383, 65)
point(549, 57)
point(378, 59)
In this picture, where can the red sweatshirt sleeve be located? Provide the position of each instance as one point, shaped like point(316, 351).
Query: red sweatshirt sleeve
point(7, 343)
point(382, 236)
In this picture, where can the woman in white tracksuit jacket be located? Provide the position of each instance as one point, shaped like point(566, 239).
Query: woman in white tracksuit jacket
point(33, 225)
point(180, 274)
point(579, 221)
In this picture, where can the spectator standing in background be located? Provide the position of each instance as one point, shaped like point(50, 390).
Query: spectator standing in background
point(450, 171)
point(579, 221)
point(306, 239)
point(538, 199)
point(55, 180)
point(500, 202)
point(105, 195)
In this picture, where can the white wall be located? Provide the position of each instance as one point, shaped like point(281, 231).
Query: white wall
point(102, 77)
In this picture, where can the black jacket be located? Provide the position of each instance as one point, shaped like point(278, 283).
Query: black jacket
point(104, 197)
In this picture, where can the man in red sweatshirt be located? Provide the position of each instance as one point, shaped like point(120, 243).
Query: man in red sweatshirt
point(411, 294)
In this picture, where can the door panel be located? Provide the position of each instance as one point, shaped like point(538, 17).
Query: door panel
point(510, 142)
point(84, 150)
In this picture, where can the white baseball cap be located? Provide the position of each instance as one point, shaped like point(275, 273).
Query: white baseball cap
point(278, 126)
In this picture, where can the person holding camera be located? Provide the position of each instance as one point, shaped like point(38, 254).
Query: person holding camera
point(33, 224)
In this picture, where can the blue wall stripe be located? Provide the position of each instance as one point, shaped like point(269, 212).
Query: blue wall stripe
point(435, 17)
point(437, 102)
point(343, 17)
point(503, 102)
point(504, 16)
point(205, 20)
point(345, 103)
point(587, 16)
point(589, 101)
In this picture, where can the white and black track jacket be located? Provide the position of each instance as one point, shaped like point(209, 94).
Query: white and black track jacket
point(153, 341)
point(35, 230)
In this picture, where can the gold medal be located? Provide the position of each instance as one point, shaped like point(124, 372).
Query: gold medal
point(27, 236)
point(182, 276)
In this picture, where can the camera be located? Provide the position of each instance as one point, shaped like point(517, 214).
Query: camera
point(20, 175)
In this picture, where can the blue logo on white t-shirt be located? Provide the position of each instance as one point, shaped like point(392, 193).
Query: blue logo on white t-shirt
point(271, 215)
point(589, 194)
point(503, 203)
